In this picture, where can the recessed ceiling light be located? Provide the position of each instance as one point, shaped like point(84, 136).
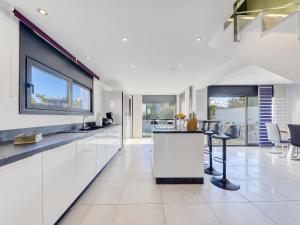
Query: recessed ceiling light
point(132, 66)
point(180, 66)
point(199, 39)
point(125, 39)
point(42, 12)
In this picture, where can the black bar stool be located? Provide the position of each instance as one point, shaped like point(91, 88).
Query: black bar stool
point(233, 132)
point(210, 170)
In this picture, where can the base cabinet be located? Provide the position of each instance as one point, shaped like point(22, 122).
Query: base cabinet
point(86, 161)
point(39, 189)
point(101, 151)
point(59, 181)
point(21, 192)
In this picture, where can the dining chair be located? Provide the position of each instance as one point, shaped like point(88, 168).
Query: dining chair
point(295, 138)
point(274, 136)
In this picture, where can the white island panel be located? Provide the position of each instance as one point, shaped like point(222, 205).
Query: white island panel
point(178, 155)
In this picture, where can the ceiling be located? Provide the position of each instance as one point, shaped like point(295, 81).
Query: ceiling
point(161, 54)
point(253, 75)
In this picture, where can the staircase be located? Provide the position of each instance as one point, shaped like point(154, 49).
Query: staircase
point(267, 39)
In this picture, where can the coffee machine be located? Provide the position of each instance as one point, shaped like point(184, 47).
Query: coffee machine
point(108, 120)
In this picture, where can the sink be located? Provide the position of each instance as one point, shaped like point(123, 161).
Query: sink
point(86, 130)
point(91, 128)
point(74, 131)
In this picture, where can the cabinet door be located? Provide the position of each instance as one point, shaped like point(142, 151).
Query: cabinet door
point(114, 140)
point(110, 141)
point(119, 137)
point(86, 161)
point(59, 181)
point(21, 192)
point(101, 151)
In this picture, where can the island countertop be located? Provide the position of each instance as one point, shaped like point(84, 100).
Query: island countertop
point(175, 131)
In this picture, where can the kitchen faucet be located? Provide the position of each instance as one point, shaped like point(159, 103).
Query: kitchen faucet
point(83, 122)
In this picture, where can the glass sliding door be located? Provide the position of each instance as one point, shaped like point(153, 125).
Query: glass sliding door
point(161, 115)
point(241, 111)
point(252, 120)
point(230, 111)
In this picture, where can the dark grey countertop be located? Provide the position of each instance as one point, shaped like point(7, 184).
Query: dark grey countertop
point(175, 131)
point(10, 153)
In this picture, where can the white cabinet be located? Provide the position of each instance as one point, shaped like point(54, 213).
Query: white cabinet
point(101, 151)
point(37, 190)
point(178, 155)
point(113, 137)
point(21, 192)
point(86, 161)
point(59, 181)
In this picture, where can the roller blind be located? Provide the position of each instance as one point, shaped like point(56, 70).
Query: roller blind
point(148, 99)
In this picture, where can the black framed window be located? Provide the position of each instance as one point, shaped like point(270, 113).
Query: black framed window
point(50, 90)
point(50, 83)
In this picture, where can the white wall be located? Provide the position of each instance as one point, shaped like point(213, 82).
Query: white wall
point(201, 104)
point(185, 104)
point(280, 106)
point(9, 83)
point(137, 116)
point(293, 103)
point(113, 103)
point(127, 119)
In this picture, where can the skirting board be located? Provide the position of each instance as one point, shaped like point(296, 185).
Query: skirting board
point(196, 180)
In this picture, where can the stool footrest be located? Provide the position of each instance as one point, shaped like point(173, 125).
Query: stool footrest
point(207, 152)
point(218, 159)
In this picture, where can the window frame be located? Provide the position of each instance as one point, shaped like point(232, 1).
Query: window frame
point(26, 91)
point(71, 96)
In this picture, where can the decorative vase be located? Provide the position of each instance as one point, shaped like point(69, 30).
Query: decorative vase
point(192, 123)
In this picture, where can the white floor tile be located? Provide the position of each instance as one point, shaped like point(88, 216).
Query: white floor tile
point(115, 173)
point(254, 190)
point(90, 215)
point(181, 194)
point(140, 173)
point(103, 192)
point(140, 192)
point(212, 194)
point(282, 213)
point(239, 214)
point(139, 215)
point(184, 214)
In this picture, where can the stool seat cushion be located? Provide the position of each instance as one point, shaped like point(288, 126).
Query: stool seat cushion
point(222, 137)
point(209, 132)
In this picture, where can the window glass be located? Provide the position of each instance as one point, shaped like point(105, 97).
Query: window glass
point(81, 97)
point(48, 89)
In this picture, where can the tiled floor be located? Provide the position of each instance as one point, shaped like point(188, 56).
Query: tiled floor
point(125, 193)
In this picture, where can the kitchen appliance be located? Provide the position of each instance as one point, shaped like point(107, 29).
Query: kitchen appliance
point(109, 116)
point(108, 120)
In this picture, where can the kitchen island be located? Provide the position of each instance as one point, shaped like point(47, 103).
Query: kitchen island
point(178, 156)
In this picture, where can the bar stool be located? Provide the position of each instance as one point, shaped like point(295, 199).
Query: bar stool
point(210, 170)
point(233, 132)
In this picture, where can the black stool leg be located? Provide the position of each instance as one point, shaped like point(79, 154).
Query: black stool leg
point(223, 182)
point(211, 170)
